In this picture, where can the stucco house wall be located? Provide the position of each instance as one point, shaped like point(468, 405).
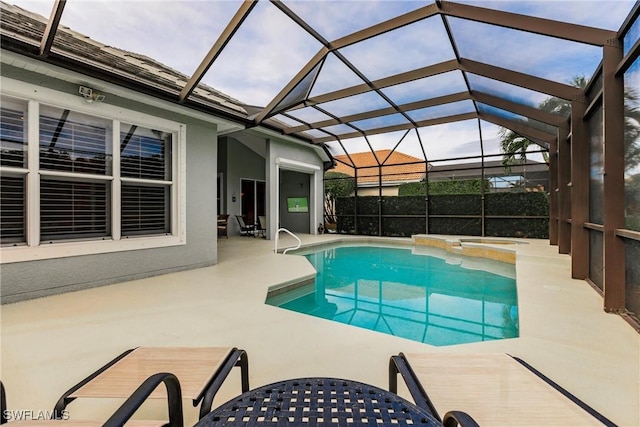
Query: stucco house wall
point(386, 191)
point(291, 156)
point(61, 273)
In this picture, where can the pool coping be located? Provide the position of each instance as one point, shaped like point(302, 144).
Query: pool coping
point(481, 247)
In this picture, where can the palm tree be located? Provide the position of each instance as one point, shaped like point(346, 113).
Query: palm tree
point(631, 129)
point(515, 146)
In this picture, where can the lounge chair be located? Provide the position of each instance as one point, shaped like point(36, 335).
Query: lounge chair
point(245, 229)
point(121, 415)
point(223, 225)
point(200, 370)
point(262, 226)
point(496, 389)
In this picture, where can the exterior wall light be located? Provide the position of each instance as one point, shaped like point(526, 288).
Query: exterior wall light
point(91, 95)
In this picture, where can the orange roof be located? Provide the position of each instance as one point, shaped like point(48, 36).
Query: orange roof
point(396, 171)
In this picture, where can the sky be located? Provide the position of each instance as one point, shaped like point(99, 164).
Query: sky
point(269, 49)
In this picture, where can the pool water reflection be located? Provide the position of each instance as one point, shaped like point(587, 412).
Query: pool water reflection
point(422, 294)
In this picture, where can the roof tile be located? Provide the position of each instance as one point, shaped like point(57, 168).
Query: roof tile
point(398, 166)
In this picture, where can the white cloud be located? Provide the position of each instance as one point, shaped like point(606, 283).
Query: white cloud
point(263, 56)
point(506, 90)
point(428, 87)
point(333, 76)
point(42, 7)
point(440, 142)
point(413, 46)
point(443, 110)
point(541, 56)
point(335, 19)
point(368, 101)
point(451, 140)
point(382, 121)
point(607, 14)
point(309, 115)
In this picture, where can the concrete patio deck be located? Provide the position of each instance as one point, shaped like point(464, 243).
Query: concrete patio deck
point(49, 344)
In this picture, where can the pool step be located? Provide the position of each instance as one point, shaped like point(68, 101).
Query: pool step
point(481, 248)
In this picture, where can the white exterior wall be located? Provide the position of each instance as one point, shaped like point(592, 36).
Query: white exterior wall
point(290, 156)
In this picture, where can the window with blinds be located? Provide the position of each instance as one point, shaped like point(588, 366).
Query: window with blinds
point(146, 180)
point(12, 134)
point(82, 194)
point(13, 147)
point(145, 210)
point(74, 142)
point(145, 153)
point(12, 209)
point(73, 210)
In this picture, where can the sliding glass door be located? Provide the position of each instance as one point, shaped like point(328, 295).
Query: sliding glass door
point(253, 199)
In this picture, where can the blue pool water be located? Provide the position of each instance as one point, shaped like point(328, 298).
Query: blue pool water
point(432, 297)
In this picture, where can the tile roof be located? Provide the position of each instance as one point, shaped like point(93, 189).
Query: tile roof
point(395, 172)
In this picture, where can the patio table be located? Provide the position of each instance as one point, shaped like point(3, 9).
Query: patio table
point(318, 401)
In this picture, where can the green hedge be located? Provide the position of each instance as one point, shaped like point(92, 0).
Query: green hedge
point(368, 225)
point(408, 205)
point(368, 205)
point(412, 189)
point(517, 204)
point(456, 226)
point(451, 186)
point(455, 204)
point(409, 212)
point(533, 228)
point(403, 227)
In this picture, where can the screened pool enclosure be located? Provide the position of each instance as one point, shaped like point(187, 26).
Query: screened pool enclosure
point(540, 98)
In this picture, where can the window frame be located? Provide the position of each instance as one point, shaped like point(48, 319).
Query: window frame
point(33, 249)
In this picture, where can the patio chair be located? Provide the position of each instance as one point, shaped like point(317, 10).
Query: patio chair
point(223, 225)
point(121, 415)
point(262, 226)
point(245, 229)
point(496, 389)
point(200, 370)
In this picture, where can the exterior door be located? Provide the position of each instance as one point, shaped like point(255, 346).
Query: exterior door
point(253, 198)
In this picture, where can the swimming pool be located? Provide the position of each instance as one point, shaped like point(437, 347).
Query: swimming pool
point(419, 293)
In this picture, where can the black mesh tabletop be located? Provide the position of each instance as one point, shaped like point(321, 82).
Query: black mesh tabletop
point(318, 402)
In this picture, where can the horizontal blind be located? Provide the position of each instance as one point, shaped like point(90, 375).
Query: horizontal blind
point(145, 210)
point(12, 209)
point(73, 210)
point(71, 146)
point(145, 157)
point(13, 146)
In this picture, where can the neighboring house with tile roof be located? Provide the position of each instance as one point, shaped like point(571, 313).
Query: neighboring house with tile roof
point(402, 168)
point(399, 168)
point(529, 174)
